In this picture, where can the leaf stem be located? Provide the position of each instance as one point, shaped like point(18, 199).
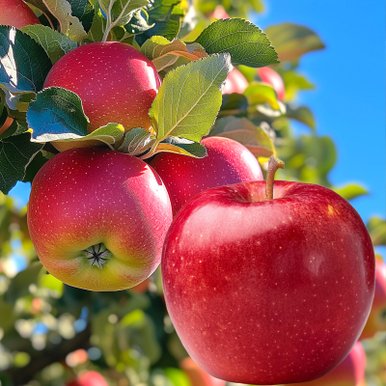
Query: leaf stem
point(273, 164)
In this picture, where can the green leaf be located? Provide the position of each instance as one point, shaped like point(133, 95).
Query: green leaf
point(139, 23)
point(377, 228)
point(234, 104)
point(246, 43)
point(181, 146)
point(54, 43)
point(8, 317)
point(110, 135)
point(120, 12)
point(136, 141)
point(23, 67)
point(260, 93)
point(295, 82)
point(98, 25)
point(35, 165)
point(292, 41)
point(302, 114)
point(166, 15)
point(56, 114)
point(351, 191)
point(84, 11)
point(16, 153)
point(70, 25)
point(255, 138)
point(189, 99)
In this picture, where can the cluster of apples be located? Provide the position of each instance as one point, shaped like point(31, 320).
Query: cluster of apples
point(265, 282)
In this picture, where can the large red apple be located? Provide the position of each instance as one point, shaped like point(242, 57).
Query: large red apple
point(268, 291)
point(16, 13)
point(351, 372)
point(227, 162)
point(270, 76)
point(98, 218)
point(88, 378)
point(115, 82)
point(377, 319)
point(235, 82)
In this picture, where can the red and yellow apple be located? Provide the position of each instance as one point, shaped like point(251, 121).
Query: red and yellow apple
point(115, 82)
point(227, 162)
point(270, 76)
point(377, 319)
point(351, 372)
point(16, 13)
point(88, 378)
point(268, 289)
point(98, 218)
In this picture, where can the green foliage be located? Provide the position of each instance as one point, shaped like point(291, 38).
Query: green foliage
point(23, 67)
point(240, 38)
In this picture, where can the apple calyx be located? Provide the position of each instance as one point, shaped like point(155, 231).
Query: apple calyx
point(97, 255)
point(273, 165)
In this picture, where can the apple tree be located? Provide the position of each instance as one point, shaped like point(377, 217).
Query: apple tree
point(52, 332)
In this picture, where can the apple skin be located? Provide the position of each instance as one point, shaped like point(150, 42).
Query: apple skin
point(88, 378)
point(197, 376)
point(16, 13)
point(268, 291)
point(227, 162)
point(235, 82)
point(115, 82)
point(84, 197)
point(351, 372)
point(377, 319)
point(270, 76)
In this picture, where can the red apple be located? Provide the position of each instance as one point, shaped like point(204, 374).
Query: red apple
point(235, 82)
point(16, 13)
point(197, 376)
point(270, 76)
point(377, 319)
point(268, 290)
point(219, 13)
point(98, 218)
point(351, 372)
point(88, 378)
point(115, 82)
point(227, 162)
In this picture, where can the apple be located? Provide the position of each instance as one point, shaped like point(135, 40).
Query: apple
point(197, 376)
point(115, 82)
point(219, 13)
point(235, 82)
point(98, 218)
point(88, 378)
point(268, 284)
point(377, 319)
point(351, 372)
point(16, 13)
point(227, 162)
point(270, 76)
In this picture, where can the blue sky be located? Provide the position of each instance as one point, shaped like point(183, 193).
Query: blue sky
point(349, 102)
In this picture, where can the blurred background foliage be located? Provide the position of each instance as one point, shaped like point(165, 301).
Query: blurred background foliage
point(50, 332)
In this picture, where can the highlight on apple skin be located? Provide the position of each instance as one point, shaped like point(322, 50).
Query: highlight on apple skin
point(115, 82)
point(377, 319)
point(351, 372)
point(16, 13)
point(98, 218)
point(270, 76)
point(227, 162)
point(271, 291)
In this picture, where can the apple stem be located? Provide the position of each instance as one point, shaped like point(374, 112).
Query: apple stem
point(97, 255)
point(273, 164)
